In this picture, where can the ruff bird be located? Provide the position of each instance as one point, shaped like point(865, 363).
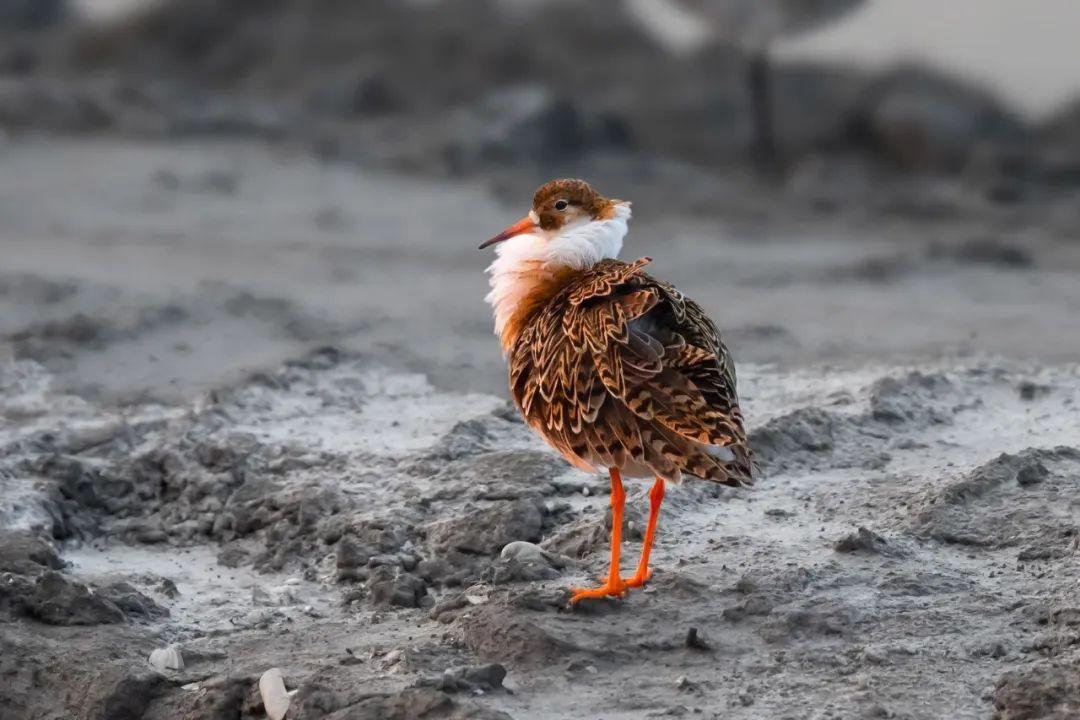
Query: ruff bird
point(615, 369)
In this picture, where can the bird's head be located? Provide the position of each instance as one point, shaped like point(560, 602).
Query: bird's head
point(571, 227)
point(570, 223)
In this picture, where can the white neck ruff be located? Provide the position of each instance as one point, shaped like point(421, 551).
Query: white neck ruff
point(524, 262)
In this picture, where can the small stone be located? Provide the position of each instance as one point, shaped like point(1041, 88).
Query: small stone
point(696, 641)
point(394, 587)
point(168, 588)
point(274, 695)
point(167, 658)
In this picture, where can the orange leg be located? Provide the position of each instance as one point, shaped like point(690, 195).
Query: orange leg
point(614, 585)
point(656, 496)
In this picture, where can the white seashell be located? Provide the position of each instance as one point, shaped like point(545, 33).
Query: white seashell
point(274, 695)
point(167, 658)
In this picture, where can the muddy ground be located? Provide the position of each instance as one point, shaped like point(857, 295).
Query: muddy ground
point(251, 409)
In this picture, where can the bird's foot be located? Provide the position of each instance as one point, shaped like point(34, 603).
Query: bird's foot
point(639, 578)
point(612, 588)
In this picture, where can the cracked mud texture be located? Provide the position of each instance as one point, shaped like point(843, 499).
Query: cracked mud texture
point(259, 450)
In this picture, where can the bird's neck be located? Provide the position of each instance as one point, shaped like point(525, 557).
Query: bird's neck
point(531, 269)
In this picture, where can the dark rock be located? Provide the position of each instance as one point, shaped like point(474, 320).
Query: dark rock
point(912, 398)
point(168, 588)
point(57, 600)
point(316, 702)
point(351, 560)
point(1042, 691)
point(131, 601)
point(578, 539)
point(862, 540)
point(358, 94)
point(986, 252)
point(446, 609)
point(522, 561)
point(392, 586)
point(807, 430)
point(822, 619)
point(25, 554)
point(1011, 500)
point(507, 635)
point(1031, 390)
point(32, 14)
point(218, 698)
point(921, 120)
point(469, 437)
point(485, 531)
point(44, 105)
point(695, 640)
point(482, 678)
point(527, 123)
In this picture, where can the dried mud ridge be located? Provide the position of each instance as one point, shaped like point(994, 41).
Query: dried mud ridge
point(892, 562)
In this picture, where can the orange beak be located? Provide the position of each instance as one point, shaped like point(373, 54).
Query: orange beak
point(521, 227)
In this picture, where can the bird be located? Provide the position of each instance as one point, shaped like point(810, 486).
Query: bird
point(613, 368)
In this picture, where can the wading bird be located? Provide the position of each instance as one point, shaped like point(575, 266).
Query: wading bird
point(613, 368)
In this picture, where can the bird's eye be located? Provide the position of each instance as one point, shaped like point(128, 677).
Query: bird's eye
point(561, 204)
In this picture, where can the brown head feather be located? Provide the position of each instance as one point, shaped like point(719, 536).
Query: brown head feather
point(580, 200)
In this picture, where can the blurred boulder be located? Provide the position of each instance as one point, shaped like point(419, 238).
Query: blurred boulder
point(358, 93)
point(1059, 141)
point(31, 14)
point(529, 123)
point(56, 107)
point(922, 120)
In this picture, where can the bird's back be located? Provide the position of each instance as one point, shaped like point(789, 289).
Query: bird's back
point(619, 370)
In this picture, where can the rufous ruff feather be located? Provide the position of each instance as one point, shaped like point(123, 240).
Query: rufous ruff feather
point(613, 368)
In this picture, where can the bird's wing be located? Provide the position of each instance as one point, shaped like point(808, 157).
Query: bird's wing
point(622, 367)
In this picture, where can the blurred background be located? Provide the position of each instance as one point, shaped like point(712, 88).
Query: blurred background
point(194, 188)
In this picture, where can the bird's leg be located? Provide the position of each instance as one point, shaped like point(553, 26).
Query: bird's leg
point(656, 496)
point(614, 584)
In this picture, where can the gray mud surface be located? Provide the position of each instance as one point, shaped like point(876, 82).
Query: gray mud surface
point(251, 409)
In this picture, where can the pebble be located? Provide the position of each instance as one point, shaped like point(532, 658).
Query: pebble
point(275, 697)
point(167, 658)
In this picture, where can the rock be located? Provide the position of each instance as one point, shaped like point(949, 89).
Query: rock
point(921, 120)
point(45, 105)
point(167, 658)
point(695, 640)
point(475, 679)
point(467, 438)
point(168, 588)
point(914, 398)
point(57, 600)
point(25, 554)
point(507, 635)
point(988, 252)
point(807, 430)
point(275, 697)
point(358, 94)
point(131, 601)
point(391, 586)
point(523, 123)
point(1029, 390)
point(486, 530)
point(1049, 690)
point(525, 562)
point(351, 560)
point(862, 540)
point(32, 14)
point(1014, 499)
point(445, 610)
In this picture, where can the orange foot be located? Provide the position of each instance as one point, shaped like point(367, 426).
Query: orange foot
point(611, 588)
point(639, 579)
